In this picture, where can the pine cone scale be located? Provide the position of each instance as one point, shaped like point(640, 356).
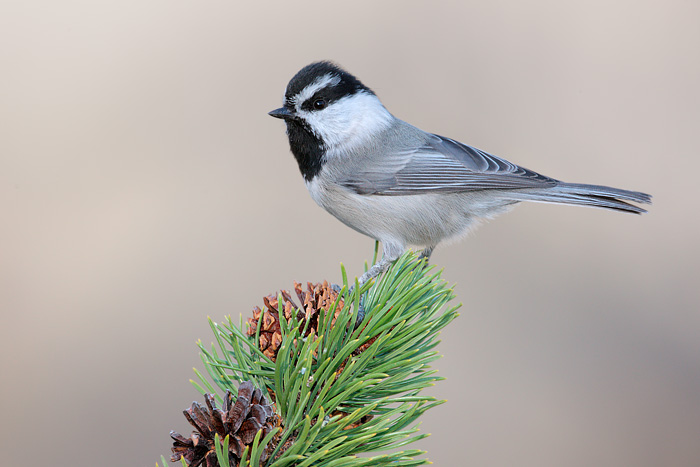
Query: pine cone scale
point(194, 421)
point(239, 411)
point(248, 430)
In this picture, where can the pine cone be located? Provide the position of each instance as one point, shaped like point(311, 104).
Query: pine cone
point(240, 421)
point(317, 297)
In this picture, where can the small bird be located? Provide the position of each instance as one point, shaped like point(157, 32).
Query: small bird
point(401, 185)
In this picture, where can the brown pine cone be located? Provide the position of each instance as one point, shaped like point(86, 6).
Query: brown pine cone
point(240, 420)
point(316, 297)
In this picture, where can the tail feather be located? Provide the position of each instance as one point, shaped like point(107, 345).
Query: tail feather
point(587, 195)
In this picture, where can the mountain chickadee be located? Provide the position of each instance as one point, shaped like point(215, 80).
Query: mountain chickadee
point(398, 184)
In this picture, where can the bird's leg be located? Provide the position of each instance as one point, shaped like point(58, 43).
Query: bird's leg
point(377, 269)
point(391, 253)
point(380, 267)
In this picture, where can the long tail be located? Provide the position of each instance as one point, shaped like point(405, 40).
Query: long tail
point(586, 195)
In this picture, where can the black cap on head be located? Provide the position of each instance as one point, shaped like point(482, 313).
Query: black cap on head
point(348, 84)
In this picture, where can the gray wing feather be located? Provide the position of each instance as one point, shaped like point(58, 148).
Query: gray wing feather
point(443, 165)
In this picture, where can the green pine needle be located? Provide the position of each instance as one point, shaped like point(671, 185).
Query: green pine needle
point(378, 389)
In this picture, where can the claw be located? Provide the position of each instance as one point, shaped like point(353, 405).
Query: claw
point(360, 314)
point(425, 254)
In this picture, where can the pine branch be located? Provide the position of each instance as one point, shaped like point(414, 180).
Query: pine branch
point(339, 389)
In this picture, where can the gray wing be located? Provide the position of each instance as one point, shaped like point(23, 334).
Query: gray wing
point(443, 165)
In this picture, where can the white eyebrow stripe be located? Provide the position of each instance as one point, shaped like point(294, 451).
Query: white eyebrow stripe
point(329, 79)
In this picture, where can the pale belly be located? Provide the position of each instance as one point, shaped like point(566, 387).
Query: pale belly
point(419, 220)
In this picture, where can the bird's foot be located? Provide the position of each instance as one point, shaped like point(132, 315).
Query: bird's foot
point(360, 314)
point(425, 254)
point(361, 308)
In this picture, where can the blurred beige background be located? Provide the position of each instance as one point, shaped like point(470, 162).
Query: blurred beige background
point(143, 187)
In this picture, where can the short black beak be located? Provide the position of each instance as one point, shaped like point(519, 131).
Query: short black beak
point(282, 112)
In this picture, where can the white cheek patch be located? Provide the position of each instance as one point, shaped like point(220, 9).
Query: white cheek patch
point(319, 83)
point(350, 121)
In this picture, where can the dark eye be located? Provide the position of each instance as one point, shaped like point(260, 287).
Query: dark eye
point(319, 104)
